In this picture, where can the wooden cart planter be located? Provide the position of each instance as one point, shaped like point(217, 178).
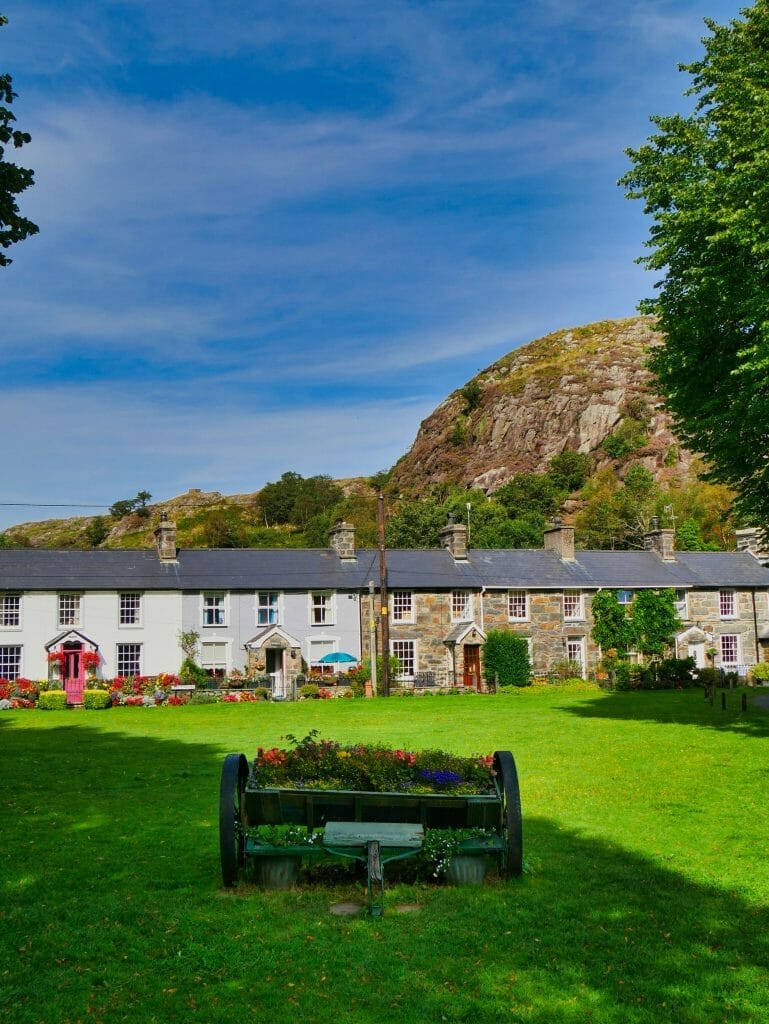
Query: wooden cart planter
point(374, 828)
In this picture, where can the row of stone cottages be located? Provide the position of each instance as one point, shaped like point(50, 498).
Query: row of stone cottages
point(265, 611)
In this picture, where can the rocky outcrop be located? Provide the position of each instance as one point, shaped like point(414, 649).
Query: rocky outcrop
point(570, 390)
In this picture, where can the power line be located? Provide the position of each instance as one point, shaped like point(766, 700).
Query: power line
point(46, 504)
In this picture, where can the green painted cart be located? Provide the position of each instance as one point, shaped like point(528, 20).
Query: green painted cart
point(374, 828)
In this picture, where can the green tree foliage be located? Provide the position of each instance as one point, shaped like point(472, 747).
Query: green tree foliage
point(617, 515)
point(416, 524)
point(296, 500)
point(129, 506)
point(222, 528)
point(613, 628)
point(472, 393)
point(655, 620)
point(13, 179)
point(530, 492)
point(570, 471)
point(96, 531)
point(704, 179)
point(506, 659)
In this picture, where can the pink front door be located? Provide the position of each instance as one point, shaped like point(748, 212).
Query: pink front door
point(73, 673)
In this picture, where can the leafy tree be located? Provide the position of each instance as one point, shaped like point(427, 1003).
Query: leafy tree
point(294, 500)
point(96, 531)
point(704, 182)
point(570, 471)
point(531, 492)
point(618, 515)
point(506, 659)
point(130, 505)
point(416, 524)
point(613, 628)
point(222, 528)
point(655, 620)
point(13, 179)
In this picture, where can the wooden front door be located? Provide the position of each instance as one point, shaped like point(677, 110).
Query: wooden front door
point(472, 670)
point(73, 673)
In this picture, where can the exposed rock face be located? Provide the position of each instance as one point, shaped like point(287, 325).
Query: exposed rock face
point(567, 391)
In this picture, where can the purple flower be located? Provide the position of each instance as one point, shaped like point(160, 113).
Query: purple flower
point(440, 778)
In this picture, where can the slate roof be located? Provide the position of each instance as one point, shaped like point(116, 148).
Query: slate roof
point(321, 568)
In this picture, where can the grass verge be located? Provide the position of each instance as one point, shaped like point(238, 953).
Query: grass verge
point(646, 897)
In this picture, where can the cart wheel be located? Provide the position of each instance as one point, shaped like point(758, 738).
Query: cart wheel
point(232, 843)
point(511, 858)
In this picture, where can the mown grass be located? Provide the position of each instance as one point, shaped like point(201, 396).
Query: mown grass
point(646, 897)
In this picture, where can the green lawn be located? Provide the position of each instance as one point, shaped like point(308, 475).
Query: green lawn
point(646, 897)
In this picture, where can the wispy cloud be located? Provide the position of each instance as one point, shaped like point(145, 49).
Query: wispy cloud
point(254, 216)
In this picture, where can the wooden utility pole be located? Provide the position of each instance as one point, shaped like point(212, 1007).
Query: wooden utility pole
point(383, 601)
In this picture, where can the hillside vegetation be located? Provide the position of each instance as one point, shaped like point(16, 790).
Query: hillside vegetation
point(568, 424)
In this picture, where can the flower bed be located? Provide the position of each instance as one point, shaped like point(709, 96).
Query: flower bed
point(314, 763)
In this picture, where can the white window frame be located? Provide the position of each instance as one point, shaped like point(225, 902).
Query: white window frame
point(409, 646)
point(575, 645)
point(11, 661)
point(727, 604)
point(322, 607)
point(733, 642)
point(73, 602)
point(213, 608)
point(124, 653)
point(10, 611)
point(574, 597)
point(461, 606)
point(625, 597)
point(317, 646)
point(268, 612)
point(215, 667)
point(402, 606)
point(513, 597)
point(682, 604)
point(129, 601)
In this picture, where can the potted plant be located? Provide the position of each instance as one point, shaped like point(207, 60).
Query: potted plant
point(280, 870)
point(453, 853)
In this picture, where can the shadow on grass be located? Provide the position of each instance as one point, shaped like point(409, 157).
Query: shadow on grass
point(680, 707)
point(112, 908)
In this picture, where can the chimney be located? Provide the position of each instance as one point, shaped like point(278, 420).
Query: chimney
point(661, 540)
point(751, 539)
point(454, 538)
point(560, 538)
point(165, 539)
point(342, 540)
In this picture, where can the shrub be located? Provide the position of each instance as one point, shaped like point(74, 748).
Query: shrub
point(96, 700)
point(309, 691)
point(760, 672)
point(563, 670)
point(263, 692)
point(708, 677)
point(191, 673)
point(506, 659)
point(672, 672)
point(52, 700)
point(626, 676)
point(202, 697)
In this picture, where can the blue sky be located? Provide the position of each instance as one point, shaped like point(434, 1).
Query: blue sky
point(275, 236)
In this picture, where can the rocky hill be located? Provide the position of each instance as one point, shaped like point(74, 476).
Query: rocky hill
point(584, 389)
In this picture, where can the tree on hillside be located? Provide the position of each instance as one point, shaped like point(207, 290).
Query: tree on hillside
point(704, 179)
point(13, 179)
point(296, 500)
point(130, 505)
